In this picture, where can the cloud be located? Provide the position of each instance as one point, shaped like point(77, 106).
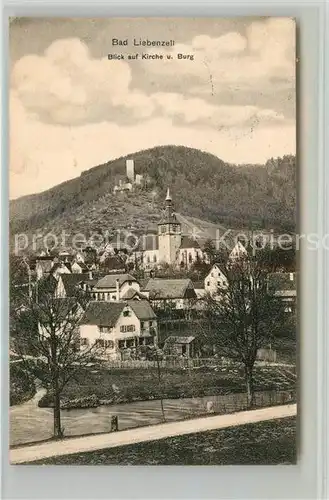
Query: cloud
point(264, 56)
point(197, 110)
point(66, 85)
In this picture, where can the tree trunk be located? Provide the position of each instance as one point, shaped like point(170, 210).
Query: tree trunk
point(58, 433)
point(249, 378)
point(159, 378)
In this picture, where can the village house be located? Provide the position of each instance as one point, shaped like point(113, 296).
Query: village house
point(113, 287)
point(56, 318)
point(78, 267)
point(68, 284)
point(238, 252)
point(179, 293)
point(50, 267)
point(113, 264)
point(215, 280)
point(43, 264)
point(118, 326)
point(285, 286)
point(199, 289)
point(79, 257)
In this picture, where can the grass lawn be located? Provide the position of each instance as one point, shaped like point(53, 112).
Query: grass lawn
point(265, 443)
point(128, 385)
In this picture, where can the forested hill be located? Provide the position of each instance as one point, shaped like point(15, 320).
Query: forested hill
point(202, 186)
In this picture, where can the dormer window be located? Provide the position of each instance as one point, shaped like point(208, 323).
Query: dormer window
point(126, 313)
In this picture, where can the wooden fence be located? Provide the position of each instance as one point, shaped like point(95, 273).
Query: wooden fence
point(230, 403)
point(175, 362)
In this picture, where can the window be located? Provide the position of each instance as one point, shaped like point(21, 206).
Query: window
point(104, 329)
point(154, 258)
point(127, 328)
point(189, 257)
point(114, 297)
point(84, 342)
point(208, 283)
point(148, 259)
point(126, 313)
point(108, 344)
point(163, 229)
point(142, 324)
point(212, 275)
point(130, 283)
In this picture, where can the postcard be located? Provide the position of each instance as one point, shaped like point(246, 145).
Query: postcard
point(153, 241)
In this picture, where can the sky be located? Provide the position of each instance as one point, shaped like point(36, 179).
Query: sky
point(71, 108)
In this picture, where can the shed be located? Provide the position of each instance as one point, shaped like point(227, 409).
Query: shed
point(180, 346)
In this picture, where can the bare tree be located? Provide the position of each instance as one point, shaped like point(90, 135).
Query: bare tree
point(45, 335)
point(244, 316)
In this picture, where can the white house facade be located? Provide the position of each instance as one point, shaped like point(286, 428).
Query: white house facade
point(113, 287)
point(117, 326)
point(215, 281)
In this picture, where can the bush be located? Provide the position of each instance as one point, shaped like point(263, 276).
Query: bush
point(88, 402)
point(68, 404)
point(22, 387)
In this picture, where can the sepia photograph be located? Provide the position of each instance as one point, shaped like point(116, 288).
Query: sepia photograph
point(153, 267)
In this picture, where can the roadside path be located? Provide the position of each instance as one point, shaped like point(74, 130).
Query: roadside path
point(149, 433)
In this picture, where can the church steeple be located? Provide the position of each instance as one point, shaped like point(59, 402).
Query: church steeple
point(169, 231)
point(169, 216)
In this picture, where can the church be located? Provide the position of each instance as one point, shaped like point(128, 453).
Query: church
point(169, 245)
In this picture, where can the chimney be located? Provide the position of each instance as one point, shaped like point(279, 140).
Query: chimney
point(90, 275)
point(291, 276)
point(130, 171)
point(117, 289)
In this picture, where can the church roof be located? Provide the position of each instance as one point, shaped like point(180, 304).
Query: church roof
point(148, 242)
point(188, 242)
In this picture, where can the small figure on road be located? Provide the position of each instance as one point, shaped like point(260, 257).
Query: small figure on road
point(114, 423)
point(210, 407)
